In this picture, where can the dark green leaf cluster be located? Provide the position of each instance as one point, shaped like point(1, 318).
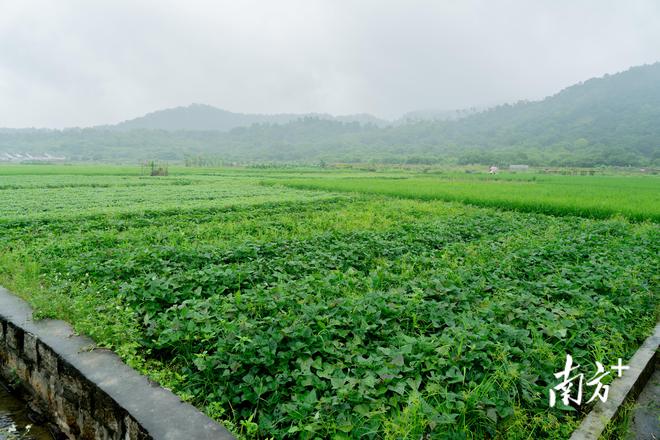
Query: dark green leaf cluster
point(462, 319)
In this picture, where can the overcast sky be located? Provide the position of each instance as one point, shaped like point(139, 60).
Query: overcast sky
point(81, 63)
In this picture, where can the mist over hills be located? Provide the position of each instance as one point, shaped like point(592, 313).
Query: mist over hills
point(612, 120)
point(437, 115)
point(205, 117)
point(208, 118)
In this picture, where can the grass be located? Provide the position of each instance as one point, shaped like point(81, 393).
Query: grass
point(635, 197)
point(292, 313)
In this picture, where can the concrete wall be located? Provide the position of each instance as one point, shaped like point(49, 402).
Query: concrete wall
point(86, 392)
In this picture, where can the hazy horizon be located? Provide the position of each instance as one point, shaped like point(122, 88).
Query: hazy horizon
point(83, 64)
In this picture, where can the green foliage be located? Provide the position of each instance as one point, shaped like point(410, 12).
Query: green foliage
point(299, 314)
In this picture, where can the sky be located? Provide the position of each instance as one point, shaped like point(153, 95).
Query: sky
point(72, 63)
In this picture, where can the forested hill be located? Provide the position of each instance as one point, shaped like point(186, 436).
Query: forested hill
point(613, 120)
point(615, 117)
point(205, 117)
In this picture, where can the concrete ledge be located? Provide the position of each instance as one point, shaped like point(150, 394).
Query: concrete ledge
point(627, 387)
point(90, 394)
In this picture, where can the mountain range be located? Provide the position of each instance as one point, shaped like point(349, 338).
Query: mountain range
point(611, 120)
point(205, 117)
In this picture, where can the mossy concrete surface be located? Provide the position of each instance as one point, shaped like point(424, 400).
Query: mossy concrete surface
point(86, 392)
point(628, 387)
point(645, 422)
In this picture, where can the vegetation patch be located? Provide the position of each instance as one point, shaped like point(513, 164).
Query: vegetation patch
point(637, 198)
point(303, 314)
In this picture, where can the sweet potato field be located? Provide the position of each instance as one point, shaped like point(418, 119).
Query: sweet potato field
point(307, 313)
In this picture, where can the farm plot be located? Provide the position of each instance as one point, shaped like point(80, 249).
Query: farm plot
point(635, 197)
point(76, 195)
point(299, 314)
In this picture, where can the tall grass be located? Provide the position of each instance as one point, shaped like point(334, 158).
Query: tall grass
point(637, 198)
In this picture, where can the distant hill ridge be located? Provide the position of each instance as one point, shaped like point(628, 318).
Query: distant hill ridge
point(207, 117)
point(612, 120)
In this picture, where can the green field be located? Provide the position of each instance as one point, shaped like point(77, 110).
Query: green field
point(635, 197)
point(309, 303)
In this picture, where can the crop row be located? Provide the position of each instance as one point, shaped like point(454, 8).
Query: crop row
point(312, 315)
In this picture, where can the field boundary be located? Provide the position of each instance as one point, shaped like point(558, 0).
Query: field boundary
point(642, 365)
point(85, 392)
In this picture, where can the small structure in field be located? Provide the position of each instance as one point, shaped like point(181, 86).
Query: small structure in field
point(154, 168)
point(493, 169)
point(518, 167)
